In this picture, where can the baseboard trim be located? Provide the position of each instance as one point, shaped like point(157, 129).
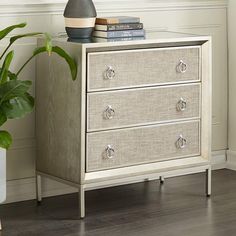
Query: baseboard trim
point(24, 189)
point(218, 160)
point(231, 160)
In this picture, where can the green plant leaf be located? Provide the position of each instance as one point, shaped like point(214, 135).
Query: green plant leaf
point(18, 107)
point(5, 139)
point(48, 43)
point(5, 67)
point(70, 61)
point(13, 88)
point(3, 117)
point(12, 76)
point(14, 38)
point(6, 31)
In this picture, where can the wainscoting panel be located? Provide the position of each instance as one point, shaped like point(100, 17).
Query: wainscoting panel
point(197, 17)
point(232, 77)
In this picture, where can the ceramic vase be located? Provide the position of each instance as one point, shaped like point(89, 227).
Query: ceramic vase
point(80, 16)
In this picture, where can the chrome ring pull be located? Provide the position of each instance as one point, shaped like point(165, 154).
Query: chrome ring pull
point(181, 105)
point(181, 142)
point(109, 113)
point(182, 67)
point(110, 152)
point(109, 73)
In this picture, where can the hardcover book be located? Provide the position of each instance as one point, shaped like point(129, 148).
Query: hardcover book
point(100, 40)
point(119, 34)
point(117, 27)
point(117, 20)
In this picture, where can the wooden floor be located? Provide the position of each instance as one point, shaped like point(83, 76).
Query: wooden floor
point(177, 208)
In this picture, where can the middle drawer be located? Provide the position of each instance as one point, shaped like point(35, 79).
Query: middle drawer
point(131, 107)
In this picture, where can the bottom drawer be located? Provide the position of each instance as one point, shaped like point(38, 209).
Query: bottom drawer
point(119, 148)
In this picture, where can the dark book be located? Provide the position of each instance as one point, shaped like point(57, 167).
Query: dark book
point(117, 20)
point(119, 34)
point(118, 27)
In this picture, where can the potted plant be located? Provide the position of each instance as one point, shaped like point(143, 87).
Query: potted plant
point(15, 99)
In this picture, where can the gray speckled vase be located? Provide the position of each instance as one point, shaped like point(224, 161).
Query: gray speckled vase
point(80, 16)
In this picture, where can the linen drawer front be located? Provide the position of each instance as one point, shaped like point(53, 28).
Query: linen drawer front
point(124, 108)
point(134, 68)
point(126, 147)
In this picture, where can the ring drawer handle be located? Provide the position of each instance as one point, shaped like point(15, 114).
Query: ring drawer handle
point(181, 142)
point(110, 152)
point(109, 73)
point(182, 67)
point(109, 113)
point(181, 105)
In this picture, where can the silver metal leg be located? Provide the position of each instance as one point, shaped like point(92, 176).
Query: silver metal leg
point(208, 182)
point(81, 201)
point(0, 225)
point(162, 179)
point(38, 189)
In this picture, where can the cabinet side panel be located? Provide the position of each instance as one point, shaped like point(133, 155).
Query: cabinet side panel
point(206, 139)
point(58, 114)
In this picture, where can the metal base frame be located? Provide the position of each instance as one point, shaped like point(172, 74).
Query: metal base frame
point(83, 188)
point(208, 182)
point(162, 179)
point(81, 191)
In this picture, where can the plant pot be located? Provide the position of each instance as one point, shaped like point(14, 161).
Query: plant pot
point(2, 175)
point(80, 16)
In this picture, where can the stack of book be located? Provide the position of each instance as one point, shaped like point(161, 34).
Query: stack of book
point(119, 28)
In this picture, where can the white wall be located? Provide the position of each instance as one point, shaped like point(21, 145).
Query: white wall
point(191, 16)
point(232, 83)
point(232, 74)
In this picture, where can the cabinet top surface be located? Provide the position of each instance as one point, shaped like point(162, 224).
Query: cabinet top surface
point(150, 37)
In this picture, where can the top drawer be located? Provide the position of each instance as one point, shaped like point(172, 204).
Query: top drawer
point(134, 68)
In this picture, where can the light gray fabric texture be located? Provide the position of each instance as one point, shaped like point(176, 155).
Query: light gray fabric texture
point(142, 106)
point(141, 145)
point(142, 67)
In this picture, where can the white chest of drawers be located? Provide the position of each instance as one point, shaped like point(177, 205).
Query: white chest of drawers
point(138, 110)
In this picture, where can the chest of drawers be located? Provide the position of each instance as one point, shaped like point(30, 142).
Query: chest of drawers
point(138, 110)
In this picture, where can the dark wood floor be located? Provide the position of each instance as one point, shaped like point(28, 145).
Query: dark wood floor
point(178, 208)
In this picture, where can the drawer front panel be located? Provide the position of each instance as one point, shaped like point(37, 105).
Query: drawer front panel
point(124, 69)
point(107, 110)
point(118, 148)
